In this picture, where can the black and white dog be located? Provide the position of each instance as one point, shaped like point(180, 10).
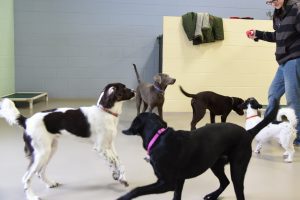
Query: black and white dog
point(97, 123)
point(283, 131)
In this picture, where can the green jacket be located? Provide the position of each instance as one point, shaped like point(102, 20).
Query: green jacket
point(216, 32)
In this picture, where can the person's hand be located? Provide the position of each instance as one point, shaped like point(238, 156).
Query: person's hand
point(251, 34)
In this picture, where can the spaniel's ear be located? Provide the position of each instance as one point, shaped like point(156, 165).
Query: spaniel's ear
point(111, 90)
point(99, 99)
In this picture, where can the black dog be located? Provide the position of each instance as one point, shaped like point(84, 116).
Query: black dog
point(179, 155)
point(215, 103)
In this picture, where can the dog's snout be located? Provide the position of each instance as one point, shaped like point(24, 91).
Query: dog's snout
point(126, 132)
point(241, 112)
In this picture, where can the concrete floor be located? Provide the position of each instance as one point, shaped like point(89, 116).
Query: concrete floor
point(84, 176)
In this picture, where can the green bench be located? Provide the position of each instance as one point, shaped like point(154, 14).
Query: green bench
point(27, 97)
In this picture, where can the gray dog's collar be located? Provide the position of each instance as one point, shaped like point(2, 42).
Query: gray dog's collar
point(158, 89)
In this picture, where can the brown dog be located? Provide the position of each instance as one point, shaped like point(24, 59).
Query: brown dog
point(152, 95)
point(215, 103)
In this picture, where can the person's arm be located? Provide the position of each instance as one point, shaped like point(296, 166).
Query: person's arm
point(297, 25)
point(266, 36)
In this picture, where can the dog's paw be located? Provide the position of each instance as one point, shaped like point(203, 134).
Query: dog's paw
point(54, 185)
point(210, 197)
point(257, 151)
point(288, 160)
point(123, 198)
point(124, 182)
point(147, 159)
point(33, 197)
point(30, 195)
point(116, 175)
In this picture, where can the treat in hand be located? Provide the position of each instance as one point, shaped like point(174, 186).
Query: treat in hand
point(250, 34)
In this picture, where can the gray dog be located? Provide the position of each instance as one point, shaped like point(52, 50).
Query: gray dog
point(152, 95)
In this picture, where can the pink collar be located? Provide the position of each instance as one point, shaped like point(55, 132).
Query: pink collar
point(251, 117)
point(109, 111)
point(153, 140)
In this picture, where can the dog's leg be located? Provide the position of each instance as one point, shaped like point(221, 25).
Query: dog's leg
point(160, 111)
point(218, 170)
point(138, 102)
point(287, 144)
point(120, 169)
point(289, 154)
point(212, 118)
point(238, 168)
point(198, 114)
point(145, 106)
point(38, 160)
point(223, 118)
point(258, 147)
point(155, 188)
point(42, 172)
point(178, 190)
point(113, 161)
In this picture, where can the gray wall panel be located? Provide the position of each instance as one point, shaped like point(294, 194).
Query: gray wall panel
point(72, 48)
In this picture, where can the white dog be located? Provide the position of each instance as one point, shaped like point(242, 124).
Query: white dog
point(283, 131)
point(96, 123)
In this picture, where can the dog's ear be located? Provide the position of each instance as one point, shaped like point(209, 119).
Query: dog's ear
point(243, 106)
point(157, 78)
point(159, 119)
point(108, 98)
point(111, 90)
point(99, 99)
point(256, 104)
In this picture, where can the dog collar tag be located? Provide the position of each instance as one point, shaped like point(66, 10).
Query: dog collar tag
point(153, 140)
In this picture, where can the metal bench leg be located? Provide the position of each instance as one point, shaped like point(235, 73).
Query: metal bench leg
point(31, 105)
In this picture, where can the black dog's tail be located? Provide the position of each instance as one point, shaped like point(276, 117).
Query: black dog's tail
point(186, 94)
point(267, 120)
point(137, 73)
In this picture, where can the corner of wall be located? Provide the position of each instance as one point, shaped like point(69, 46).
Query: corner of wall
point(7, 61)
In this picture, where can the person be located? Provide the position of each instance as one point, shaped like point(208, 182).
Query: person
point(286, 35)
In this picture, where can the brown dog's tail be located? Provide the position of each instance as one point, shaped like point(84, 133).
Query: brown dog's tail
point(137, 73)
point(267, 120)
point(186, 94)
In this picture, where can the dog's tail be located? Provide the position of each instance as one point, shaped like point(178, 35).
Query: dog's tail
point(186, 93)
point(137, 73)
point(289, 113)
point(267, 120)
point(11, 114)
